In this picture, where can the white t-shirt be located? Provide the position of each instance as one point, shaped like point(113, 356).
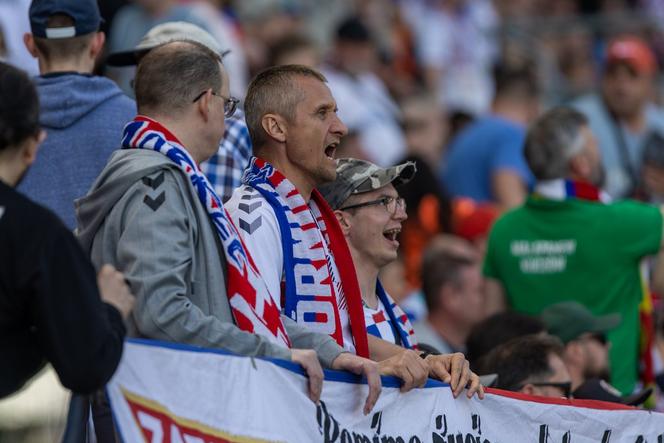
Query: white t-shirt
point(257, 223)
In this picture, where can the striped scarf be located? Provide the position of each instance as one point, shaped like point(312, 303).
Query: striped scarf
point(314, 249)
point(561, 189)
point(253, 307)
point(398, 318)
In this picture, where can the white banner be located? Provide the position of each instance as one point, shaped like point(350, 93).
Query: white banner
point(172, 393)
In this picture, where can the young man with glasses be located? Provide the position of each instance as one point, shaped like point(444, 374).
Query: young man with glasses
point(367, 205)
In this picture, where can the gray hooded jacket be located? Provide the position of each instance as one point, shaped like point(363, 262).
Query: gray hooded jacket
point(144, 217)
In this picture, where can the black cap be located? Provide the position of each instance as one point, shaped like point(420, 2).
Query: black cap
point(84, 13)
point(596, 389)
point(353, 30)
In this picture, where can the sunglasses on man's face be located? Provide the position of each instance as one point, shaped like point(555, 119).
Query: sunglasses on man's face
point(565, 386)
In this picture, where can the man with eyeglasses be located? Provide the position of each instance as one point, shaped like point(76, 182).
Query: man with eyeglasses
point(224, 168)
point(370, 211)
point(294, 235)
point(532, 364)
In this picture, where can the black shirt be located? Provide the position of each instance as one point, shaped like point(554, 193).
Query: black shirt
point(49, 302)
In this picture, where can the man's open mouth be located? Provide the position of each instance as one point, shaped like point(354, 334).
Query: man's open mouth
point(331, 149)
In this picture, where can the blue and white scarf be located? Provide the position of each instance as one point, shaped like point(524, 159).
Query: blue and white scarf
point(314, 249)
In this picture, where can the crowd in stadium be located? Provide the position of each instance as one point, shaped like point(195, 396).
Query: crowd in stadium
point(467, 190)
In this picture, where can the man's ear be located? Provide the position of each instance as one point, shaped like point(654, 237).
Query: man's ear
point(203, 104)
point(30, 148)
point(528, 389)
point(344, 221)
point(29, 41)
point(275, 127)
point(97, 44)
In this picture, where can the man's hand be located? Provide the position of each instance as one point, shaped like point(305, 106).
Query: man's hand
point(409, 367)
point(361, 366)
point(455, 370)
point(309, 361)
point(114, 290)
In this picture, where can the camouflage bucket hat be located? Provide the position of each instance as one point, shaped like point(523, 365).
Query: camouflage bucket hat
point(356, 176)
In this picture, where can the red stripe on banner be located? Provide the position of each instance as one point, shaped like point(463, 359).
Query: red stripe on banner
point(592, 404)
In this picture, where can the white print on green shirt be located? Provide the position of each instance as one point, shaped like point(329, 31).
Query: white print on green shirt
point(543, 256)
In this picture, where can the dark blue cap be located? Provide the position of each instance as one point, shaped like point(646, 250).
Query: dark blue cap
point(85, 14)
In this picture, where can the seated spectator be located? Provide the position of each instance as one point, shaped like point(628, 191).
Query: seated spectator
point(652, 171)
point(532, 365)
point(586, 352)
point(497, 330)
point(567, 240)
point(452, 287)
point(294, 49)
point(82, 113)
point(224, 169)
point(485, 160)
point(49, 296)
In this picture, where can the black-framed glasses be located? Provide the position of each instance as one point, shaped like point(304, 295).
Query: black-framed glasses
point(390, 203)
point(564, 386)
point(230, 103)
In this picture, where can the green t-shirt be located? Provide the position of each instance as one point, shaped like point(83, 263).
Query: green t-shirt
point(549, 251)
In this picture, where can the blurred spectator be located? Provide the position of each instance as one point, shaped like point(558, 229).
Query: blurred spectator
point(532, 365)
point(427, 205)
point(455, 45)
point(134, 20)
point(623, 115)
point(473, 221)
point(83, 114)
point(364, 103)
point(14, 24)
point(565, 243)
point(294, 49)
point(225, 31)
point(584, 336)
point(497, 330)
point(651, 186)
point(51, 309)
point(452, 287)
point(368, 207)
point(485, 160)
point(224, 169)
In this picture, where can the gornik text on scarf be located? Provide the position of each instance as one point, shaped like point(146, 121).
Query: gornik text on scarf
point(311, 239)
point(254, 309)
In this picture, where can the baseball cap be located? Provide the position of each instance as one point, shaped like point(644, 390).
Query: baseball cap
point(634, 52)
point(472, 220)
point(84, 13)
point(165, 33)
point(355, 176)
point(597, 389)
point(569, 320)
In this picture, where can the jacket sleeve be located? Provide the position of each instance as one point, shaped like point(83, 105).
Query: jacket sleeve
point(81, 336)
point(302, 337)
point(155, 252)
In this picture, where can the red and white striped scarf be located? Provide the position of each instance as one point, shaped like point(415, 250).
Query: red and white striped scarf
point(253, 307)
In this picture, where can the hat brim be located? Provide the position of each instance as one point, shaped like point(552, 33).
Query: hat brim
point(637, 398)
point(605, 323)
point(125, 58)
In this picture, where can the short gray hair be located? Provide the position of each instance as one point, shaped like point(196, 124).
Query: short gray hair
point(553, 140)
point(274, 90)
